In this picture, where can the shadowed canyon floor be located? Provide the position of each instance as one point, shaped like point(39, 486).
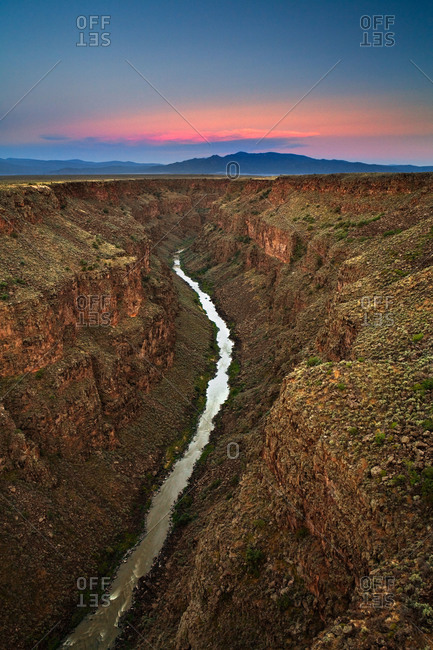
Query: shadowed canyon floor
point(309, 521)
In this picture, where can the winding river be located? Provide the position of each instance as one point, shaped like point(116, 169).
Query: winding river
point(99, 630)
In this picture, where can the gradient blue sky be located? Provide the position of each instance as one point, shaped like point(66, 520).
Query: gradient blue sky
point(231, 68)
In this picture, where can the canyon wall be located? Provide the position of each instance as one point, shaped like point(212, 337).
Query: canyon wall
point(90, 325)
point(316, 533)
point(326, 282)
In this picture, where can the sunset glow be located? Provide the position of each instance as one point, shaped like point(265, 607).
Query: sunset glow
point(242, 84)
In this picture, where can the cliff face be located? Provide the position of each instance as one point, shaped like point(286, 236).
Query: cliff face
point(83, 329)
point(88, 320)
point(77, 271)
point(327, 283)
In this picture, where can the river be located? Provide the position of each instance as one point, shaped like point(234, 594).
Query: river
point(99, 630)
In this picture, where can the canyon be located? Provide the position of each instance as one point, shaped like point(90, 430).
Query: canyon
point(307, 521)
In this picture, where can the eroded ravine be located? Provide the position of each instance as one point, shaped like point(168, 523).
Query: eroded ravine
point(99, 630)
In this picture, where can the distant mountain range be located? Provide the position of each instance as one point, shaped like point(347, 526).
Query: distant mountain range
point(250, 164)
point(31, 167)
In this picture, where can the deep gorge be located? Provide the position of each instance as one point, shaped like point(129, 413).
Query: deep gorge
point(326, 282)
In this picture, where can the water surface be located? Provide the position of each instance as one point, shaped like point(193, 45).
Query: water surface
point(99, 630)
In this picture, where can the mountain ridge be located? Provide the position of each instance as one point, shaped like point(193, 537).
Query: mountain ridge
point(250, 164)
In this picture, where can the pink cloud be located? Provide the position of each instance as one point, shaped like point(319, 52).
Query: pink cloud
point(189, 136)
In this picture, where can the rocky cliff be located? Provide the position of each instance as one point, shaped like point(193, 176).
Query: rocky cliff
point(91, 328)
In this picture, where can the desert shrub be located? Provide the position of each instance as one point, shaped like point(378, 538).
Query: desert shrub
point(299, 250)
point(427, 484)
point(259, 523)
point(379, 438)
point(414, 477)
point(234, 369)
point(254, 557)
point(424, 385)
point(284, 602)
point(245, 239)
point(302, 532)
point(181, 513)
point(205, 453)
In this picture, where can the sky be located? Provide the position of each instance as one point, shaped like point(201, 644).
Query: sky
point(161, 82)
